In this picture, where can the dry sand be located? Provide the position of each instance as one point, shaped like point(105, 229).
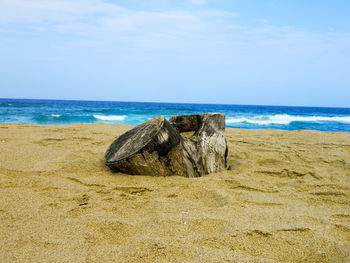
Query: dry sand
point(285, 198)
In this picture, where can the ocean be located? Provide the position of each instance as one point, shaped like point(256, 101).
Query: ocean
point(30, 111)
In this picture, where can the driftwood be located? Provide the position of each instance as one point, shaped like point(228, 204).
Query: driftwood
point(157, 147)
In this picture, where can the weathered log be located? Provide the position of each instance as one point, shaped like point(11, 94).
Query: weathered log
point(156, 147)
point(152, 148)
point(208, 142)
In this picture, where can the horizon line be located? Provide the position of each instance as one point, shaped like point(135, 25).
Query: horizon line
point(162, 102)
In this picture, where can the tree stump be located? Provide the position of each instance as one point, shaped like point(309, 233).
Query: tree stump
point(208, 143)
point(157, 148)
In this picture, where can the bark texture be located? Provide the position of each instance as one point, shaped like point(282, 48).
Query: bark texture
point(157, 148)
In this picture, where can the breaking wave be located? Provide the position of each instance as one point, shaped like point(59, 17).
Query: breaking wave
point(284, 119)
point(110, 118)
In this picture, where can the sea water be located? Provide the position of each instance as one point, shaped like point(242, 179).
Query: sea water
point(134, 113)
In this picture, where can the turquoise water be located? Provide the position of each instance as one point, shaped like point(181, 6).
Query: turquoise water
point(134, 113)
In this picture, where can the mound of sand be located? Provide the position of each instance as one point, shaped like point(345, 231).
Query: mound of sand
point(284, 198)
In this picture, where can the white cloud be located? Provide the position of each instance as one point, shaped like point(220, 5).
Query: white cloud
point(262, 21)
point(36, 11)
point(204, 32)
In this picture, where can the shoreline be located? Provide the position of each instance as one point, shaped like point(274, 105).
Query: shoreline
point(131, 126)
point(285, 198)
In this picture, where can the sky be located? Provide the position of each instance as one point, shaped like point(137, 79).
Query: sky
point(271, 52)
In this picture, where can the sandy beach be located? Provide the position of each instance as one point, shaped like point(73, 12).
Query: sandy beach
point(285, 197)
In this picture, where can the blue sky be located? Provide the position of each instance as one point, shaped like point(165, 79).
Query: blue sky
point(269, 52)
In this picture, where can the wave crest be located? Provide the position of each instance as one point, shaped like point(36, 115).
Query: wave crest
point(285, 119)
point(110, 118)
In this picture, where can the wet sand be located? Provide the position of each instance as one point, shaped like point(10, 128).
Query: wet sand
point(284, 198)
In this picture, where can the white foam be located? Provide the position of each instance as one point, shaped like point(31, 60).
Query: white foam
point(285, 119)
point(56, 115)
point(110, 118)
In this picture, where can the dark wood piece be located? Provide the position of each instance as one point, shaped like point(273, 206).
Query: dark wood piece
point(157, 148)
